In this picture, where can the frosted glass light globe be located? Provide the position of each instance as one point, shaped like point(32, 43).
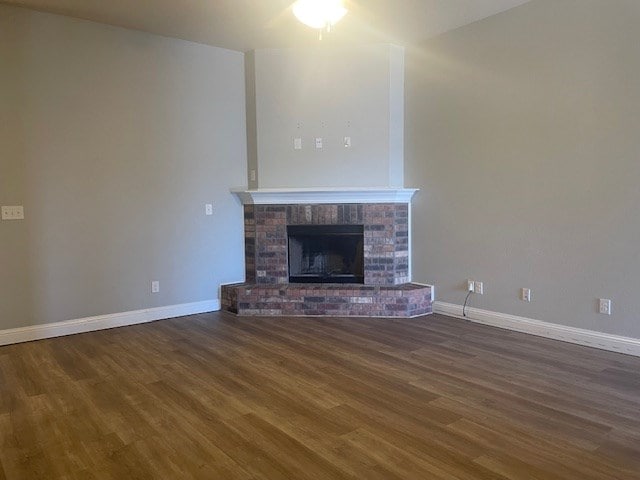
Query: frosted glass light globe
point(319, 13)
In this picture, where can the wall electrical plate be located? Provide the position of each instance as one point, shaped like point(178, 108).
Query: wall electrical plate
point(15, 212)
point(604, 305)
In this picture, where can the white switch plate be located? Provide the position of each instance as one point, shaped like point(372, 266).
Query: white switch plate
point(605, 306)
point(525, 294)
point(297, 144)
point(347, 142)
point(155, 286)
point(253, 175)
point(15, 212)
point(470, 287)
point(208, 209)
point(318, 143)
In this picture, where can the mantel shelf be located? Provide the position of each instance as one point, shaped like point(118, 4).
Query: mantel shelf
point(283, 196)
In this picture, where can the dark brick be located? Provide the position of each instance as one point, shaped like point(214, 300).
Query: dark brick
point(314, 299)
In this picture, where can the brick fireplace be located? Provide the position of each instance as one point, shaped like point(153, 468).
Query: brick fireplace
point(386, 290)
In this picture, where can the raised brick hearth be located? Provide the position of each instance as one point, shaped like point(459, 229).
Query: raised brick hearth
point(408, 300)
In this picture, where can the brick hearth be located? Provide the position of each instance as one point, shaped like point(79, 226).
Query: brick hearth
point(408, 300)
point(386, 291)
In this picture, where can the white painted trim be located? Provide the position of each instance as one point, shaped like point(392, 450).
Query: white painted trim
point(102, 322)
point(284, 196)
point(590, 338)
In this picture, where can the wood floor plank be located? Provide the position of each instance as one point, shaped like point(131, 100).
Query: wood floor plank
point(218, 396)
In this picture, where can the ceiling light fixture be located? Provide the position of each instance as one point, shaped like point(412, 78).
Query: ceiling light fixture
point(320, 14)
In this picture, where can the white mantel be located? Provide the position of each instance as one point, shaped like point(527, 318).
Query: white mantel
point(288, 196)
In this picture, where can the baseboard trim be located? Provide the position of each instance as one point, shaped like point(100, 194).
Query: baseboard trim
point(102, 322)
point(589, 338)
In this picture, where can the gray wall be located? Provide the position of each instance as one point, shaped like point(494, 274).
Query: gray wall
point(326, 92)
point(524, 132)
point(113, 141)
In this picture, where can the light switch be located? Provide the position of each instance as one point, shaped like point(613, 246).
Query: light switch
point(347, 142)
point(208, 209)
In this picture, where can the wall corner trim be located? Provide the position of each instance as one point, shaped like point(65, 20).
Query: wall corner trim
point(103, 322)
point(589, 338)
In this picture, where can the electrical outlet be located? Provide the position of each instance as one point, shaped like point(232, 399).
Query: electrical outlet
point(297, 144)
point(605, 306)
point(470, 286)
point(478, 287)
point(253, 175)
point(318, 143)
point(155, 286)
point(208, 209)
point(525, 294)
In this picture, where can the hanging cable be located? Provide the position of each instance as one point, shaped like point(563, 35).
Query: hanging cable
point(465, 303)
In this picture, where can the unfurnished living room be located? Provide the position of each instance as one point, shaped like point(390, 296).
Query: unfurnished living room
point(319, 239)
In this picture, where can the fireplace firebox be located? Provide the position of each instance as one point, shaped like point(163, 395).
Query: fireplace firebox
point(326, 253)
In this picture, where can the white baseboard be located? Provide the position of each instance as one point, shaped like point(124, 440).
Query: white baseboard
point(101, 322)
point(590, 338)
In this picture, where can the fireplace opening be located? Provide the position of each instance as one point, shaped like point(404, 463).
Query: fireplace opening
point(326, 253)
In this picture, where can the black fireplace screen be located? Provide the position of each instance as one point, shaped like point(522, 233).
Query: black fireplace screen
point(326, 253)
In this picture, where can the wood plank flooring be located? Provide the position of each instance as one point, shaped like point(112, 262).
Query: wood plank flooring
point(221, 397)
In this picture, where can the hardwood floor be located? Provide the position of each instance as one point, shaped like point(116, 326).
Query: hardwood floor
point(218, 397)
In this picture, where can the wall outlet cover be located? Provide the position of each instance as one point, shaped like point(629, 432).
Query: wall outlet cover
point(604, 305)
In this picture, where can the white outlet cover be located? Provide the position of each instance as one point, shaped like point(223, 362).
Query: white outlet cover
point(318, 142)
point(605, 306)
point(478, 288)
point(155, 286)
point(297, 144)
point(208, 209)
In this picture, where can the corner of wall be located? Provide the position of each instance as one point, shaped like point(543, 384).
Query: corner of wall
point(396, 115)
point(252, 125)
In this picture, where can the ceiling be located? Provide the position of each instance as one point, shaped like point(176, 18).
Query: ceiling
point(249, 24)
